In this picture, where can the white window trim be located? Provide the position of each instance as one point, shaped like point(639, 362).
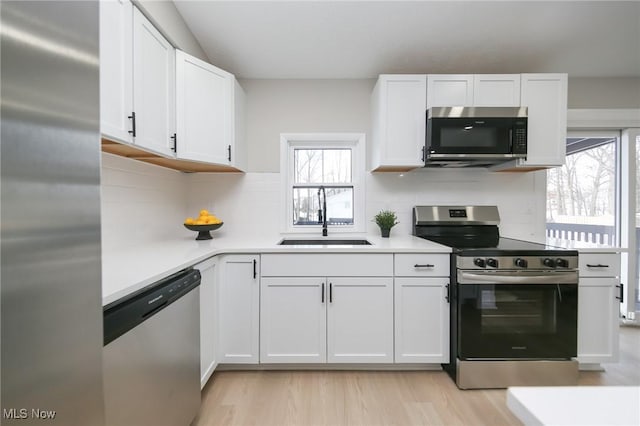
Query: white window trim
point(355, 141)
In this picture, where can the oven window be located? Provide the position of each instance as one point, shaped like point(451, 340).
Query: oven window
point(509, 311)
point(509, 321)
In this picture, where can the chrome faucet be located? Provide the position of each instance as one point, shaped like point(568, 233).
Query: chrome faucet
point(322, 214)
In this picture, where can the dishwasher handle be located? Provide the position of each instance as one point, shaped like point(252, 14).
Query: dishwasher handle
point(123, 315)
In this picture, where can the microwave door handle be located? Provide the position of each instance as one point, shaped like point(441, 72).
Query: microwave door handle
point(511, 140)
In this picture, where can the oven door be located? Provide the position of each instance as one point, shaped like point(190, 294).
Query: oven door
point(517, 314)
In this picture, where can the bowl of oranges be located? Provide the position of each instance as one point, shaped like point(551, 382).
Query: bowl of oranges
point(203, 225)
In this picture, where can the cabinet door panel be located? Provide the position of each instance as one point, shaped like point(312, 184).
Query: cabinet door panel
point(292, 320)
point(203, 99)
point(449, 90)
point(499, 90)
point(116, 69)
point(403, 112)
point(545, 95)
point(360, 320)
point(421, 320)
point(208, 319)
point(239, 309)
point(598, 311)
point(153, 86)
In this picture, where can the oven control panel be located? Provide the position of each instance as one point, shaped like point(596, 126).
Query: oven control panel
point(517, 262)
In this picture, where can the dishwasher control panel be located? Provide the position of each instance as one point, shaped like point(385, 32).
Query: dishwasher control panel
point(124, 314)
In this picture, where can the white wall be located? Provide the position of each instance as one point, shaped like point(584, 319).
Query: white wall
point(140, 202)
point(604, 92)
point(292, 106)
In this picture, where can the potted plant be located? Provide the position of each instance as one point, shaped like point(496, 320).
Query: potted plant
point(386, 219)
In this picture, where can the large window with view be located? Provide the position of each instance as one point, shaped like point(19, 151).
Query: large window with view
point(581, 195)
point(324, 176)
point(590, 199)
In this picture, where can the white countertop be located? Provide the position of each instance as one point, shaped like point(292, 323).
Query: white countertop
point(130, 269)
point(583, 247)
point(576, 405)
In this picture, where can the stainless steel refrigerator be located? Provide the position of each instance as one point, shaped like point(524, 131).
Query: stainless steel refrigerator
point(51, 313)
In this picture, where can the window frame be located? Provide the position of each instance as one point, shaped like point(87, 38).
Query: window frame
point(291, 141)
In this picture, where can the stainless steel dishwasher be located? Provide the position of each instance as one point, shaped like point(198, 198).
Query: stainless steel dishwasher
point(152, 354)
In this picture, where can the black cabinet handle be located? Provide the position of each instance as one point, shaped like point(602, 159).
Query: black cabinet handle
point(322, 294)
point(229, 149)
point(330, 293)
point(597, 266)
point(255, 269)
point(621, 294)
point(428, 265)
point(132, 117)
point(175, 143)
point(447, 297)
point(423, 154)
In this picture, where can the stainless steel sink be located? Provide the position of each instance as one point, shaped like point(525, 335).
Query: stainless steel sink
point(323, 242)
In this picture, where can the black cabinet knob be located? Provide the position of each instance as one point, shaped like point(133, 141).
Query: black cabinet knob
point(549, 263)
point(562, 263)
point(492, 262)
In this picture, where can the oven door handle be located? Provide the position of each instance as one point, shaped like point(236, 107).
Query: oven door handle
point(517, 277)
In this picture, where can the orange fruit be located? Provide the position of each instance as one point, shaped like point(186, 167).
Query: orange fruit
point(189, 221)
point(200, 221)
point(204, 212)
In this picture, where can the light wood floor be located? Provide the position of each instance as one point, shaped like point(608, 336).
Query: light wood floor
point(375, 397)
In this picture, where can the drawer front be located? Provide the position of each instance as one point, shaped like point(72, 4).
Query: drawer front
point(421, 265)
point(599, 264)
point(330, 264)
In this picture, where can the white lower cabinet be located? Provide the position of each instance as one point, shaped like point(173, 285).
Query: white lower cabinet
point(598, 307)
point(421, 308)
point(324, 317)
point(293, 320)
point(421, 320)
point(239, 325)
point(360, 320)
point(208, 319)
point(598, 311)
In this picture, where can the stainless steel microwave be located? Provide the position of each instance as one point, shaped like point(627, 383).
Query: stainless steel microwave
point(475, 136)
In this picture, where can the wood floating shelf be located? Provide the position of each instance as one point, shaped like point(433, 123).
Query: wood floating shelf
point(134, 153)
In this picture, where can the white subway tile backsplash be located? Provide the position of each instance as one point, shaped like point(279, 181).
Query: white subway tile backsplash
point(140, 202)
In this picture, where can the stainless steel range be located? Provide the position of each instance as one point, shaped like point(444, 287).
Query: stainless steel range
point(514, 304)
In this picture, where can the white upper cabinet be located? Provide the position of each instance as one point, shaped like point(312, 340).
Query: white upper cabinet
point(153, 87)
point(209, 113)
point(496, 90)
point(473, 90)
point(204, 102)
point(545, 95)
point(399, 108)
point(116, 70)
point(445, 90)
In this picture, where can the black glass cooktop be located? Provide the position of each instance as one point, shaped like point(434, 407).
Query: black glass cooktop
point(500, 246)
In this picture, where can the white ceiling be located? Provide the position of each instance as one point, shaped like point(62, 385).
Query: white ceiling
point(361, 39)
